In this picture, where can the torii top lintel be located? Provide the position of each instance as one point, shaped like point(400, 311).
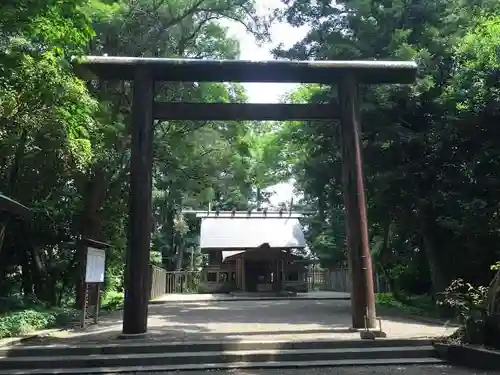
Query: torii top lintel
point(277, 71)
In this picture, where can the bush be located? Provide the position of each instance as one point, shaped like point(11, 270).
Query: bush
point(27, 321)
point(418, 305)
point(464, 299)
point(469, 304)
point(112, 300)
point(20, 316)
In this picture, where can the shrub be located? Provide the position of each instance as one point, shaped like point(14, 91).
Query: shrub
point(420, 305)
point(27, 321)
point(24, 315)
point(469, 304)
point(112, 300)
point(465, 299)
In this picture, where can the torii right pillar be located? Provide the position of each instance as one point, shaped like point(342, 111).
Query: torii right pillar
point(360, 263)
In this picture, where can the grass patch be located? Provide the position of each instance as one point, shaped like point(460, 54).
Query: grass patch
point(22, 316)
point(422, 305)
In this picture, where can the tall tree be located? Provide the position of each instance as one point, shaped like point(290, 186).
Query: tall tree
point(421, 147)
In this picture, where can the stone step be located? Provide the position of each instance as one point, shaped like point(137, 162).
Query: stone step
point(181, 359)
point(127, 347)
point(226, 365)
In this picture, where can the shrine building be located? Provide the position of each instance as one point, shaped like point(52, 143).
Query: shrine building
point(253, 252)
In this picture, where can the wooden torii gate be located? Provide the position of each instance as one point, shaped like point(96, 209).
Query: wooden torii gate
point(144, 72)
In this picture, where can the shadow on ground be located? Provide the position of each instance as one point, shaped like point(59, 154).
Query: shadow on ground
point(243, 320)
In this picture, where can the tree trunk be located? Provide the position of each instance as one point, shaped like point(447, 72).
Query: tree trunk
point(180, 252)
point(384, 254)
point(26, 273)
point(90, 225)
point(384, 261)
point(3, 229)
point(169, 232)
point(38, 272)
point(426, 222)
point(321, 205)
point(13, 176)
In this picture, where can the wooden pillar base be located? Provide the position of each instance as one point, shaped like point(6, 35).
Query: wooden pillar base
point(134, 336)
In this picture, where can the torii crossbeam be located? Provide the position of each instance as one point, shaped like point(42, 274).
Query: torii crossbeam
point(347, 75)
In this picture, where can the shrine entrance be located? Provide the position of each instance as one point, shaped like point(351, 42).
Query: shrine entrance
point(345, 75)
point(256, 272)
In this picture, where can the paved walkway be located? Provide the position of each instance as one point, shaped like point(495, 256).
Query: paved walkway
point(273, 320)
point(322, 295)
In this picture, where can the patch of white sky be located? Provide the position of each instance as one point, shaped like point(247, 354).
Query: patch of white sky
point(250, 50)
point(281, 33)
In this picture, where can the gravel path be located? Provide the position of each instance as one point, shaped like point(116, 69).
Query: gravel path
point(365, 370)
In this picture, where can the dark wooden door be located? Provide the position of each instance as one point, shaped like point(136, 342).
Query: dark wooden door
point(253, 271)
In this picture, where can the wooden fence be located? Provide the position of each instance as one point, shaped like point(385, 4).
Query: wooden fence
point(168, 282)
point(316, 279)
point(158, 282)
point(187, 282)
point(340, 281)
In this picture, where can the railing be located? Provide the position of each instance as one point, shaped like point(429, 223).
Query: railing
point(340, 281)
point(185, 282)
point(169, 282)
point(158, 282)
point(188, 282)
point(316, 280)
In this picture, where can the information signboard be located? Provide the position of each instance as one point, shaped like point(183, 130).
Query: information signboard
point(95, 266)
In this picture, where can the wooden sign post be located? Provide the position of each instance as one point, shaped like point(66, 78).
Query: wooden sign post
point(95, 269)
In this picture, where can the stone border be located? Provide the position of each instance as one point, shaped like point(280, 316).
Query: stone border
point(9, 341)
point(469, 356)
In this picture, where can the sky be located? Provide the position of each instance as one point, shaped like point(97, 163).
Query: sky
point(280, 33)
point(268, 92)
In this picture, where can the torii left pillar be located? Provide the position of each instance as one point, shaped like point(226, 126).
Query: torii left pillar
point(360, 263)
point(137, 273)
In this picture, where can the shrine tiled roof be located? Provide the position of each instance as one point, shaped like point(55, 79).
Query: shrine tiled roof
point(251, 232)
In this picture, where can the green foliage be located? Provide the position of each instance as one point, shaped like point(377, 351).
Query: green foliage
point(472, 305)
point(477, 61)
point(156, 258)
point(422, 305)
point(21, 316)
point(192, 283)
point(429, 148)
point(465, 299)
point(64, 143)
point(28, 321)
point(112, 300)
